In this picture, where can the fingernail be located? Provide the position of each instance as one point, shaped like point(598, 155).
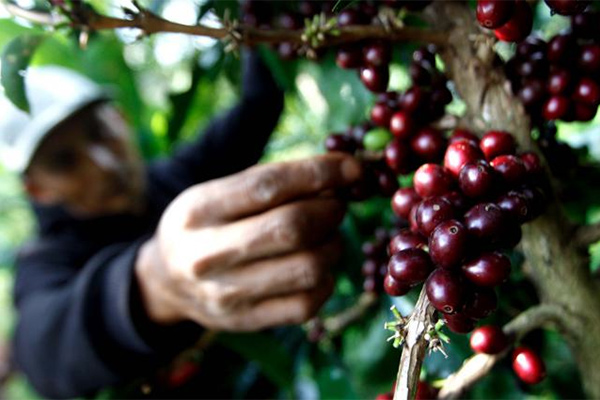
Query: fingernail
point(351, 169)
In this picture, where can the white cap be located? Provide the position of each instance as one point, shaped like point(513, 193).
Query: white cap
point(54, 93)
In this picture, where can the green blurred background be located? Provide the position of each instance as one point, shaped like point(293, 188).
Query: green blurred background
point(170, 85)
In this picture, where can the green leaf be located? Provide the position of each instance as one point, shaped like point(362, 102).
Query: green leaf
point(272, 358)
point(15, 59)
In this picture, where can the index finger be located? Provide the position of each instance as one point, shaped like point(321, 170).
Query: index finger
point(266, 186)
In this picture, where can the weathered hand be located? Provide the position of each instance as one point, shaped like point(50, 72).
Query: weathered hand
point(249, 251)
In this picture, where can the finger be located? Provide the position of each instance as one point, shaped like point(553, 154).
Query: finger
point(291, 309)
point(304, 270)
point(266, 186)
point(285, 229)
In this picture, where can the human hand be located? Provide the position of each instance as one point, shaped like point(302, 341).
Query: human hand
point(248, 251)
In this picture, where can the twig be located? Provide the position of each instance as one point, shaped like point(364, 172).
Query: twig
point(479, 365)
point(587, 234)
point(151, 23)
point(413, 349)
point(335, 324)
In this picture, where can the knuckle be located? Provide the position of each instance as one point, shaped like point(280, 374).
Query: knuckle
point(264, 187)
point(317, 174)
point(306, 308)
point(289, 230)
point(309, 271)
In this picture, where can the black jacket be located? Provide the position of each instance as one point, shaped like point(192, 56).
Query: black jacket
point(80, 326)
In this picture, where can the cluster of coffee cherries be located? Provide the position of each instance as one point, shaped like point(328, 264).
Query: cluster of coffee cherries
point(526, 363)
point(511, 20)
point(462, 215)
point(560, 79)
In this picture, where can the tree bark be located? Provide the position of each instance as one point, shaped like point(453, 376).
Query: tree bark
point(557, 268)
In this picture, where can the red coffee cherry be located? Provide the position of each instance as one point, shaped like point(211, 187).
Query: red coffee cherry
point(567, 7)
point(432, 180)
point(497, 143)
point(460, 152)
point(488, 339)
point(488, 269)
point(493, 14)
point(518, 27)
point(528, 365)
point(448, 243)
point(445, 290)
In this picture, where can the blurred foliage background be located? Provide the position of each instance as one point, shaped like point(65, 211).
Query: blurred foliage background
point(171, 85)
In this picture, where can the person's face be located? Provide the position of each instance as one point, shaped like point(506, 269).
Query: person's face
point(89, 165)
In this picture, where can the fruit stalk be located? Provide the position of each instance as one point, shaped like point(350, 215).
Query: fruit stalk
point(414, 348)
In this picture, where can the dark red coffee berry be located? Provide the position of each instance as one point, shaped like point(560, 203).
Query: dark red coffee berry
point(403, 200)
point(516, 205)
point(518, 27)
point(445, 290)
point(460, 134)
point(377, 53)
point(459, 323)
point(425, 391)
point(349, 57)
point(486, 222)
point(351, 16)
point(432, 180)
point(413, 99)
point(493, 14)
point(381, 113)
point(402, 125)
point(429, 144)
point(488, 339)
point(556, 107)
point(562, 48)
point(431, 212)
point(477, 179)
point(459, 153)
point(489, 269)
point(369, 267)
point(497, 143)
point(587, 91)
point(448, 243)
point(423, 54)
point(530, 46)
point(375, 79)
point(458, 201)
point(340, 142)
point(528, 365)
point(586, 25)
point(533, 93)
point(397, 156)
point(410, 266)
point(511, 168)
point(533, 164)
point(406, 239)
point(420, 73)
point(395, 288)
point(559, 81)
point(387, 181)
point(567, 7)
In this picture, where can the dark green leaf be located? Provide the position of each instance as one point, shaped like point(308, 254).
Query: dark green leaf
point(15, 59)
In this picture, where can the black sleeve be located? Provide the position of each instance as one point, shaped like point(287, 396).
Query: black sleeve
point(78, 332)
point(236, 139)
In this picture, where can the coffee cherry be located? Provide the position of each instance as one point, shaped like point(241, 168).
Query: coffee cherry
point(387, 181)
point(377, 53)
point(429, 144)
point(375, 79)
point(403, 200)
point(488, 339)
point(567, 7)
point(459, 323)
point(348, 57)
point(432, 180)
point(516, 205)
point(481, 303)
point(371, 284)
point(410, 266)
point(586, 25)
point(422, 54)
point(584, 112)
point(488, 269)
point(561, 49)
point(369, 267)
point(518, 26)
point(530, 46)
point(381, 113)
point(459, 153)
point(559, 81)
point(376, 139)
point(532, 94)
point(493, 14)
point(511, 168)
point(445, 290)
point(536, 200)
point(402, 125)
point(413, 100)
point(587, 91)
point(533, 164)
point(340, 142)
point(394, 287)
point(486, 222)
point(528, 365)
point(497, 143)
point(425, 391)
point(385, 396)
point(458, 201)
point(460, 134)
point(556, 107)
point(431, 212)
point(477, 179)
point(351, 16)
point(406, 239)
point(420, 73)
point(397, 156)
point(448, 243)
